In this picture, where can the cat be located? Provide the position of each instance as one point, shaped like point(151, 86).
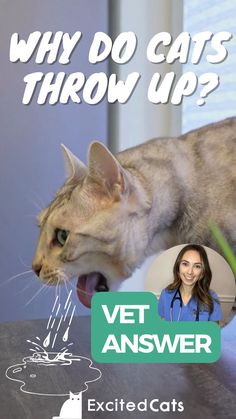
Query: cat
point(108, 217)
point(72, 407)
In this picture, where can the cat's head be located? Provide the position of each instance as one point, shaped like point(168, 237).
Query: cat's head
point(93, 228)
point(75, 396)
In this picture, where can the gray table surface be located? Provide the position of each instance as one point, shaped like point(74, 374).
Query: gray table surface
point(207, 390)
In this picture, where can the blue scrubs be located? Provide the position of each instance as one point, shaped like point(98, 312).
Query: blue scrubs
point(188, 311)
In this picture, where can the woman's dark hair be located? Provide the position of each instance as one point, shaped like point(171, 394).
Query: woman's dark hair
point(201, 289)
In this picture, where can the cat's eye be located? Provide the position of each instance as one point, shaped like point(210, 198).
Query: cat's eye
point(61, 236)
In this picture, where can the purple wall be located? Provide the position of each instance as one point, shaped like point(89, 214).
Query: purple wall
point(31, 164)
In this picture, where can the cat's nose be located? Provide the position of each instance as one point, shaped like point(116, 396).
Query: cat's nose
point(37, 268)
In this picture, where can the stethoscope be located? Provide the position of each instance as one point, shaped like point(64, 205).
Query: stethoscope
point(177, 296)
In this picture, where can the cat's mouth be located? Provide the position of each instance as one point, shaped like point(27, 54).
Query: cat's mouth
point(88, 284)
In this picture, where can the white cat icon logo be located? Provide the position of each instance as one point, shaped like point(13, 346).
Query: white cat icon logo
point(71, 408)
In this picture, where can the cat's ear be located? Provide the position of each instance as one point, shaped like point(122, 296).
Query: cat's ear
point(103, 165)
point(71, 395)
point(75, 168)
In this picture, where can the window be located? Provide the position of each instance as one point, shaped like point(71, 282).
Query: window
point(214, 16)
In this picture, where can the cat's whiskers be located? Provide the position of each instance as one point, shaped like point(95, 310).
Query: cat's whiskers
point(65, 283)
point(31, 215)
point(16, 276)
point(37, 293)
point(55, 276)
point(57, 290)
point(50, 278)
point(63, 277)
point(84, 292)
point(40, 200)
point(23, 263)
point(75, 288)
point(58, 287)
point(69, 283)
point(40, 205)
point(59, 293)
point(31, 281)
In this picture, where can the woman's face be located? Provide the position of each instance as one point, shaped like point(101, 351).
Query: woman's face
point(190, 268)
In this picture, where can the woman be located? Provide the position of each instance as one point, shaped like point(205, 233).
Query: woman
point(188, 297)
